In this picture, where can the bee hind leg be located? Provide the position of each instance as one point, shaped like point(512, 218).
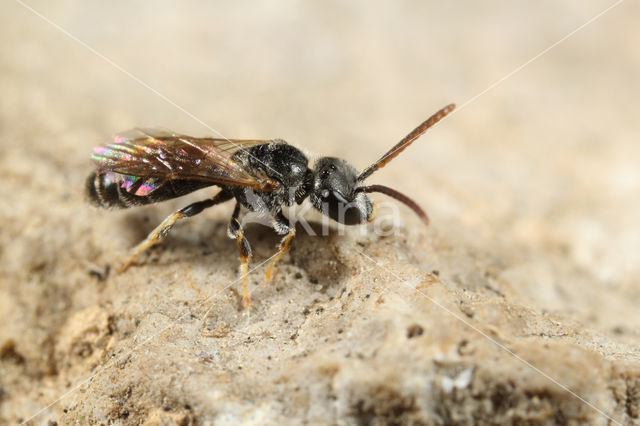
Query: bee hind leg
point(161, 231)
point(237, 233)
point(282, 226)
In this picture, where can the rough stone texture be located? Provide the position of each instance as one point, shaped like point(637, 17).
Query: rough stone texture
point(518, 305)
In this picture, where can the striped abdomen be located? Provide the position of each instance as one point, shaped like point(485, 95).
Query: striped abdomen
point(113, 190)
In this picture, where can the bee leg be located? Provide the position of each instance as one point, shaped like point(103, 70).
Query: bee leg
point(281, 226)
point(161, 231)
point(237, 233)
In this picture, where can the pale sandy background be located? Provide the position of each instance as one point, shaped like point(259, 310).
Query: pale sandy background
point(533, 190)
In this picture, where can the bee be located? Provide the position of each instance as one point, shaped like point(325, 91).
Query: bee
point(145, 166)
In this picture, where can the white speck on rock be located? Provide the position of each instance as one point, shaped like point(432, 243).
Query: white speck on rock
point(460, 382)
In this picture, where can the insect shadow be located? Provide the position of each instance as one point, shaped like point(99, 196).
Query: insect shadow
point(205, 240)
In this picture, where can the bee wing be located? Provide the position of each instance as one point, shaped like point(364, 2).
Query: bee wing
point(160, 154)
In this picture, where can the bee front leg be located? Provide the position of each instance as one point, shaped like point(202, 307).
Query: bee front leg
point(236, 232)
point(281, 226)
point(161, 231)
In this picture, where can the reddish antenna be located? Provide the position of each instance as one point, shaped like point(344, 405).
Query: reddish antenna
point(400, 146)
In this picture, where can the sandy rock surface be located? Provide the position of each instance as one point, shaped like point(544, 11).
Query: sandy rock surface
point(518, 304)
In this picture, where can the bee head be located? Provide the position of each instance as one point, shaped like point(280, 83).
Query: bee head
point(337, 189)
point(335, 193)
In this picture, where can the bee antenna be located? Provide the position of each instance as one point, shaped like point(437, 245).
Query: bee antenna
point(406, 141)
point(398, 196)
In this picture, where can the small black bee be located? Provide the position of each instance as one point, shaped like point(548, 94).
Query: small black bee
point(147, 166)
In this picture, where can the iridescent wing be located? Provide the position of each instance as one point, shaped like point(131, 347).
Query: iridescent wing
point(158, 156)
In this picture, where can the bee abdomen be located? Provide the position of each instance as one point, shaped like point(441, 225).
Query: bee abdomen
point(103, 190)
point(108, 190)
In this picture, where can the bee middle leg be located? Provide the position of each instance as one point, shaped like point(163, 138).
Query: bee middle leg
point(161, 231)
point(281, 226)
point(237, 233)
